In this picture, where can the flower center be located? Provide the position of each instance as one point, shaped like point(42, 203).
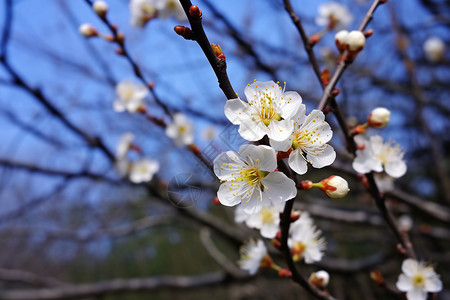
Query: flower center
point(267, 216)
point(267, 112)
point(297, 250)
point(128, 95)
point(419, 280)
point(387, 151)
point(303, 138)
point(252, 175)
point(182, 129)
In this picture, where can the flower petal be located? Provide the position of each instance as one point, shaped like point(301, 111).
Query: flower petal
point(234, 109)
point(261, 155)
point(278, 187)
point(321, 157)
point(251, 130)
point(297, 162)
point(290, 104)
point(395, 168)
point(404, 283)
point(433, 284)
point(228, 194)
point(410, 267)
point(280, 130)
point(227, 165)
point(282, 145)
point(416, 294)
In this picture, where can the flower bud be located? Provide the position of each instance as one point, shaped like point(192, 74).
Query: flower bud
point(379, 117)
point(334, 187)
point(100, 8)
point(434, 49)
point(355, 41)
point(341, 40)
point(320, 278)
point(87, 30)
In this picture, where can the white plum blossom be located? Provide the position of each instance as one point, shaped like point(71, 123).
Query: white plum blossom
point(267, 220)
point(268, 111)
point(249, 177)
point(181, 130)
point(130, 96)
point(305, 241)
point(143, 170)
point(142, 11)
point(170, 8)
point(340, 39)
point(308, 141)
point(252, 254)
point(375, 155)
point(434, 49)
point(405, 223)
point(334, 15)
point(417, 280)
point(124, 145)
point(379, 117)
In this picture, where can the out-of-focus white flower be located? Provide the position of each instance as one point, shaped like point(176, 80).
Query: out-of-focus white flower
point(417, 280)
point(267, 220)
point(181, 130)
point(379, 117)
point(171, 8)
point(305, 241)
point(334, 15)
point(142, 11)
point(377, 155)
point(434, 49)
point(209, 133)
point(252, 254)
point(334, 186)
point(124, 145)
point(100, 8)
point(249, 177)
point(87, 30)
point(309, 141)
point(130, 96)
point(405, 222)
point(143, 170)
point(319, 278)
point(385, 183)
point(340, 39)
point(268, 111)
point(355, 41)
point(122, 165)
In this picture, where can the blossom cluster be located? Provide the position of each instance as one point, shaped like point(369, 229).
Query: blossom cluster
point(144, 10)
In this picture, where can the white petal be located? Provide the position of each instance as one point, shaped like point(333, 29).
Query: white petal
point(278, 187)
point(365, 162)
point(234, 109)
point(416, 294)
point(321, 158)
point(433, 284)
point(269, 231)
point(410, 267)
point(395, 168)
point(227, 165)
point(281, 145)
point(404, 283)
point(290, 104)
point(255, 203)
point(118, 106)
point(297, 162)
point(252, 130)
point(263, 155)
point(229, 194)
point(280, 130)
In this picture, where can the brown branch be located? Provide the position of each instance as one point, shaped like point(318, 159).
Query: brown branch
point(219, 65)
point(28, 278)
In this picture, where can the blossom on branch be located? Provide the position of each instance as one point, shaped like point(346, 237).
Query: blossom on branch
point(334, 15)
point(308, 142)
point(143, 170)
point(379, 117)
point(141, 12)
point(180, 130)
point(253, 255)
point(249, 177)
point(268, 111)
point(305, 241)
point(130, 96)
point(417, 280)
point(170, 8)
point(124, 145)
point(374, 155)
point(267, 220)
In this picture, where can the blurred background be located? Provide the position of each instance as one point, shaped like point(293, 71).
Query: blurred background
point(67, 218)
